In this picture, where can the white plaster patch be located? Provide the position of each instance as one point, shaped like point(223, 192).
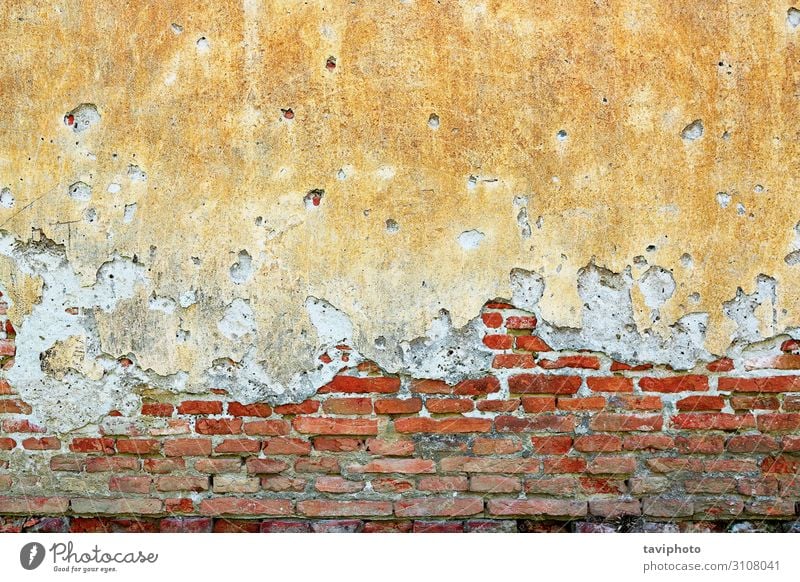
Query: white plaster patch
point(238, 321)
point(470, 239)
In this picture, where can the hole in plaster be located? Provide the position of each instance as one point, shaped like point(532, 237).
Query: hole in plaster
point(113, 188)
point(740, 210)
point(470, 239)
point(341, 175)
point(129, 213)
point(561, 135)
point(176, 28)
point(758, 188)
point(136, 174)
point(203, 46)
point(651, 248)
point(793, 17)
point(640, 261)
point(330, 63)
point(793, 258)
point(6, 198)
point(694, 297)
point(287, 113)
point(433, 121)
point(313, 198)
point(687, 260)
point(693, 131)
point(80, 191)
point(723, 199)
point(90, 215)
point(392, 227)
point(242, 269)
point(82, 117)
point(472, 182)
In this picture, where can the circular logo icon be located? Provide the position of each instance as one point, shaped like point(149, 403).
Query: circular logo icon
point(31, 555)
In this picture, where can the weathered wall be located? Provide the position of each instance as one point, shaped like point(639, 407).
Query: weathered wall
point(200, 197)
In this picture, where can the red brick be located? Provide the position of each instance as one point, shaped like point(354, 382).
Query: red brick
point(134, 484)
point(730, 465)
point(543, 384)
point(92, 445)
point(14, 406)
point(755, 403)
point(585, 362)
point(477, 387)
point(701, 403)
point(384, 526)
point(558, 465)
point(284, 526)
point(770, 384)
point(710, 485)
point(182, 483)
point(780, 464)
point(258, 466)
point(396, 466)
point(439, 507)
point(337, 485)
point(672, 464)
point(286, 446)
point(612, 464)
point(761, 486)
point(347, 406)
point(631, 402)
point(534, 404)
point(536, 507)
point(186, 525)
point(218, 465)
point(187, 447)
point(356, 385)
point(138, 446)
point(260, 409)
point(667, 507)
point(492, 319)
point(779, 422)
point(163, 465)
point(305, 407)
point(505, 361)
point(430, 387)
point(335, 426)
point(6, 388)
point(651, 442)
point(551, 445)
point(791, 403)
point(487, 446)
point(443, 484)
point(623, 422)
point(610, 384)
point(498, 341)
point(179, 505)
point(537, 423)
point(6, 444)
point(338, 444)
point(234, 483)
point(703, 444)
point(21, 425)
point(245, 506)
point(602, 485)
point(42, 444)
point(614, 508)
point(447, 425)
point(266, 428)
point(448, 405)
point(317, 465)
point(396, 448)
point(200, 407)
point(398, 406)
point(498, 405)
point(772, 507)
point(331, 508)
point(238, 447)
point(72, 463)
point(494, 484)
point(7, 347)
point(672, 384)
point(720, 365)
point(713, 421)
point(157, 409)
point(776, 362)
point(791, 443)
point(521, 322)
point(103, 464)
point(594, 443)
point(281, 483)
point(531, 343)
point(391, 485)
point(218, 426)
point(623, 367)
point(590, 403)
point(30, 505)
point(754, 443)
point(561, 485)
point(489, 465)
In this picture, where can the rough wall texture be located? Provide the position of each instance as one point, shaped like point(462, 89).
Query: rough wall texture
point(202, 201)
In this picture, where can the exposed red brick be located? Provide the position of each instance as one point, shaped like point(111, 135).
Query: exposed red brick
point(200, 407)
point(590, 403)
point(305, 407)
point(701, 403)
point(498, 405)
point(157, 409)
point(598, 443)
point(447, 425)
point(218, 426)
point(245, 506)
point(18, 425)
point(398, 406)
point(536, 507)
point(777, 362)
point(129, 484)
point(788, 422)
point(448, 405)
point(138, 446)
point(331, 508)
point(623, 367)
point(754, 443)
point(338, 444)
point(430, 387)
point(671, 384)
point(260, 466)
point(556, 465)
point(489, 465)
point(93, 445)
point(492, 319)
point(187, 447)
point(238, 447)
point(343, 426)
point(551, 445)
point(443, 484)
point(609, 384)
point(393, 448)
point(713, 421)
point(347, 406)
point(537, 423)
point(219, 465)
point(494, 484)
point(261, 409)
point(14, 406)
point(337, 485)
point(502, 361)
point(755, 402)
point(356, 385)
point(644, 442)
point(534, 404)
point(720, 365)
point(495, 446)
point(531, 343)
point(605, 421)
point(439, 507)
point(769, 384)
point(266, 428)
point(498, 341)
point(396, 466)
point(286, 446)
point(41, 444)
point(477, 387)
point(585, 362)
point(317, 465)
point(521, 322)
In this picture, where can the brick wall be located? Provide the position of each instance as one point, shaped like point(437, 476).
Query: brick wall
point(545, 441)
